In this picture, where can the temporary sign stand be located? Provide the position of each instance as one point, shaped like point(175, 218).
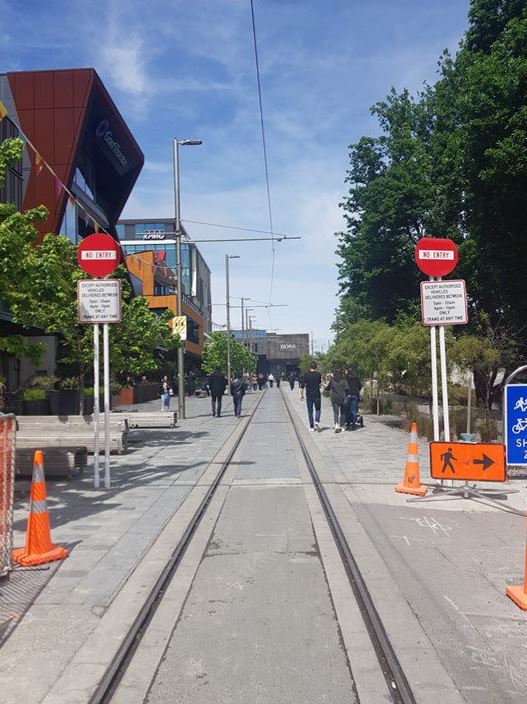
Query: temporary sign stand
point(99, 301)
point(470, 462)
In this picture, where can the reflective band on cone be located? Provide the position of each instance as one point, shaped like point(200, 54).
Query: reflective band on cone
point(38, 548)
point(411, 483)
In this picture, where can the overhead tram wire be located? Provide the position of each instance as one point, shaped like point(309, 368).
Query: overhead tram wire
point(264, 145)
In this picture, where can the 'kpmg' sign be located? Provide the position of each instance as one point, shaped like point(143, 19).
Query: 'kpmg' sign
point(516, 423)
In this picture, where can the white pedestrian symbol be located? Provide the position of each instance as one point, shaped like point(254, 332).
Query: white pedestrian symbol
point(521, 404)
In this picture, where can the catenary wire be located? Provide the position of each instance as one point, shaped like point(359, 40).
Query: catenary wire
point(264, 146)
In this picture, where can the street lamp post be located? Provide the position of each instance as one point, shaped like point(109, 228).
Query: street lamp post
point(179, 306)
point(228, 305)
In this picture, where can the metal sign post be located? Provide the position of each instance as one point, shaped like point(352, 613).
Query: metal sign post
point(99, 301)
point(96, 386)
point(106, 377)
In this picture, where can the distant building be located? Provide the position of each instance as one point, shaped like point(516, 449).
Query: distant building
point(150, 250)
point(277, 353)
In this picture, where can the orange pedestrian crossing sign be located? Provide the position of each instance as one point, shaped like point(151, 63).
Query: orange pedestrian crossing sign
point(179, 326)
point(483, 461)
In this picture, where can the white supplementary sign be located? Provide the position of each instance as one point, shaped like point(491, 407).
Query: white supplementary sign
point(91, 254)
point(99, 301)
point(444, 302)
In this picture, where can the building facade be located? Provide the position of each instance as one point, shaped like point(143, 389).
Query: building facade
point(73, 126)
point(277, 353)
point(71, 120)
point(153, 241)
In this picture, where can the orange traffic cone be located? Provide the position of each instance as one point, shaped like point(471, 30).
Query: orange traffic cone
point(411, 483)
point(519, 594)
point(38, 548)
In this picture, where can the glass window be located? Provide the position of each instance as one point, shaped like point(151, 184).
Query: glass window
point(81, 182)
point(120, 231)
point(68, 227)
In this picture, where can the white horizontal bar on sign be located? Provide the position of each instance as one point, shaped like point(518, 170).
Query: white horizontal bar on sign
point(436, 254)
point(92, 254)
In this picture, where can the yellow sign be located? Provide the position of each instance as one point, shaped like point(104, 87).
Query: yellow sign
point(179, 326)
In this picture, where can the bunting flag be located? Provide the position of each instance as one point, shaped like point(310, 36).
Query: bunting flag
point(58, 187)
point(71, 200)
point(3, 111)
point(38, 163)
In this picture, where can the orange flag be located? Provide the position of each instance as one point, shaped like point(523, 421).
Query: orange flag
point(3, 111)
point(38, 163)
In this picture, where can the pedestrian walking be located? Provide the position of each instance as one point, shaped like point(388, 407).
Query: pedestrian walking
point(278, 380)
point(291, 379)
point(254, 380)
point(310, 390)
point(237, 393)
point(338, 390)
point(165, 393)
point(270, 379)
point(261, 381)
point(217, 386)
point(352, 398)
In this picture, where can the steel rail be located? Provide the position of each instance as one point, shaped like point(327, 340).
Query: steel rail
point(398, 685)
point(111, 678)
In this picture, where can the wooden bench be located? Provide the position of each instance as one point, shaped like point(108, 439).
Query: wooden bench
point(27, 439)
point(151, 419)
point(58, 461)
point(64, 431)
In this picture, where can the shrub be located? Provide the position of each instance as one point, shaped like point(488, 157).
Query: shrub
point(70, 382)
point(33, 395)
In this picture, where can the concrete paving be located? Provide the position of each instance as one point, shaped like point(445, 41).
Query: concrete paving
point(451, 560)
point(109, 534)
point(259, 624)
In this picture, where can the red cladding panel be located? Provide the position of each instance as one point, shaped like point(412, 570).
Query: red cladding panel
point(63, 89)
point(64, 134)
point(82, 82)
point(44, 92)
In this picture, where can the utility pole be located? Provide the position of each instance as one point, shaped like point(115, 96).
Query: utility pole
point(312, 345)
point(228, 307)
point(179, 305)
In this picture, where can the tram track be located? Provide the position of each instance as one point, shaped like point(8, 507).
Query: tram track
point(114, 673)
point(396, 681)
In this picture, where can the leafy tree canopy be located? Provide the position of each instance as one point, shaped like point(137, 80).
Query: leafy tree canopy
point(215, 354)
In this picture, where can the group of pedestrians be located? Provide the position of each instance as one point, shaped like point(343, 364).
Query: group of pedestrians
point(343, 388)
point(218, 383)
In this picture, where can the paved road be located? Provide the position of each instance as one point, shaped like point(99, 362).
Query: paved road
point(258, 624)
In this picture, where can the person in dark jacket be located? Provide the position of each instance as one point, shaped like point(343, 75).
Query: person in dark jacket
point(291, 378)
point(338, 389)
point(310, 385)
point(237, 393)
point(354, 387)
point(217, 386)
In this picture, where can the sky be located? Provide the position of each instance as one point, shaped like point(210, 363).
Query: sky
point(186, 69)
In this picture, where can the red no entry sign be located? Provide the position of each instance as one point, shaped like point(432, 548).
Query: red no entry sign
point(98, 254)
point(436, 256)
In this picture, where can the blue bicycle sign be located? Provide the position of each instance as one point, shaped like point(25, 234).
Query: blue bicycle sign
point(515, 426)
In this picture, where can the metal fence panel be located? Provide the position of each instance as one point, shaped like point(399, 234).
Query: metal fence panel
point(7, 485)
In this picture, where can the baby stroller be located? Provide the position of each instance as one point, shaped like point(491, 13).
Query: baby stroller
point(359, 423)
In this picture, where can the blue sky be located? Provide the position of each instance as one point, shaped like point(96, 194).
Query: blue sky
point(185, 68)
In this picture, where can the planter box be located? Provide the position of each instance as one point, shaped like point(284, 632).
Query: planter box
point(38, 407)
point(126, 396)
point(65, 402)
point(87, 408)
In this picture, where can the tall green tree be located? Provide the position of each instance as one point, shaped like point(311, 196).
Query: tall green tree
point(215, 354)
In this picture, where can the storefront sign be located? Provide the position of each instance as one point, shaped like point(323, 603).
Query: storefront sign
point(287, 347)
point(154, 236)
point(99, 301)
point(105, 133)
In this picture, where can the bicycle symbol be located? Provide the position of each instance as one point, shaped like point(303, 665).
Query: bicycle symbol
point(520, 426)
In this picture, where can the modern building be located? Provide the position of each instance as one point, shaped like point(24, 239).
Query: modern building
point(153, 241)
point(70, 122)
point(279, 354)
point(75, 127)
